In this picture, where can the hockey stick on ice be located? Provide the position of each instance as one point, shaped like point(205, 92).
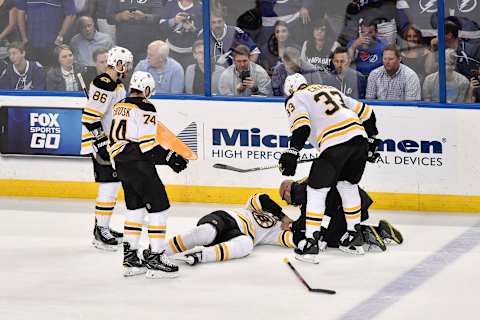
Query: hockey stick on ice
point(232, 168)
point(299, 276)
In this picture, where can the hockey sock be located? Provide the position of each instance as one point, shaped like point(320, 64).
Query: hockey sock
point(351, 203)
point(237, 247)
point(315, 209)
point(157, 229)
point(201, 235)
point(133, 226)
point(105, 202)
point(326, 222)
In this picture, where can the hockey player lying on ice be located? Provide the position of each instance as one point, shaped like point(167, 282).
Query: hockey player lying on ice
point(229, 234)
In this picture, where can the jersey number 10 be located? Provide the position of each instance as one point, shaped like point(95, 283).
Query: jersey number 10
point(118, 130)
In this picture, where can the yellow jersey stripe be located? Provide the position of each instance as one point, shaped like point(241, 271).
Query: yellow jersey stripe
point(134, 233)
point(146, 137)
point(343, 132)
point(151, 227)
point(90, 119)
point(298, 124)
point(352, 216)
point(352, 209)
point(180, 243)
point(300, 115)
point(133, 224)
point(156, 236)
point(314, 215)
point(225, 251)
point(217, 253)
point(313, 223)
point(86, 144)
point(94, 111)
point(172, 247)
point(289, 239)
point(105, 204)
point(103, 213)
point(335, 126)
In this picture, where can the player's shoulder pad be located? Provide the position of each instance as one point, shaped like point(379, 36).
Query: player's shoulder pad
point(142, 103)
point(288, 99)
point(254, 204)
point(104, 82)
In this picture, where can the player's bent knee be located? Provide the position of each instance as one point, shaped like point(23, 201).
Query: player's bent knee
point(346, 186)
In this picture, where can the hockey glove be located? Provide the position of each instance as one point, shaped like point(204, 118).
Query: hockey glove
point(100, 148)
point(372, 150)
point(176, 161)
point(288, 162)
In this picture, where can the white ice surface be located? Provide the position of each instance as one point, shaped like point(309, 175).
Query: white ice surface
point(49, 270)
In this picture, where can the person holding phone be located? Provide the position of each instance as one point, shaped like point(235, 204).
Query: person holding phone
point(244, 78)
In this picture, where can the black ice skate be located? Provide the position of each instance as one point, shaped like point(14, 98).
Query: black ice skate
point(132, 264)
point(372, 238)
point(389, 233)
point(103, 239)
point(117, 235)
point(159, 266)
point(308, 251)
point(352, 241)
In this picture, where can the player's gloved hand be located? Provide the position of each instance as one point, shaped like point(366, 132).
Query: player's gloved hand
point(372, 150)
point(176, 161)
point(288, 162)
point(100, 148)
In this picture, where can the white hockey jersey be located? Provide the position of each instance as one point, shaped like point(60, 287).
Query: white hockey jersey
point(133, 122)
point(333, 117)
point(261, 226)
point(103, 94)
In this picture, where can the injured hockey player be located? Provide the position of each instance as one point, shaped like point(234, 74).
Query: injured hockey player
point(228, 234)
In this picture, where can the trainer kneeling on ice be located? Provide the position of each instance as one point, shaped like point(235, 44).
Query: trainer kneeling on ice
point(134, 150)
point(229, 234)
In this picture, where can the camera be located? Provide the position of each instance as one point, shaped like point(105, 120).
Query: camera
point(132, 10)
point(244, 74)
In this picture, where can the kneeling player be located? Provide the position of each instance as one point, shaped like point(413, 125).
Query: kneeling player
point(334, 224)
point(135, 152)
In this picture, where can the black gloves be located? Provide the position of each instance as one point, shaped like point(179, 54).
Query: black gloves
point(100, 148)
point(372, 150)
point(176, 161)
point(288, 162)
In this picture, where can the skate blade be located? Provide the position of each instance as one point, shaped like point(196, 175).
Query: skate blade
point(358, 251)
point(157, 274)
point(130, 272)
point(102, 246)
point(310, 258)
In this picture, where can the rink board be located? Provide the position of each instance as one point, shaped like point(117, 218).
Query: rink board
point(429, 157)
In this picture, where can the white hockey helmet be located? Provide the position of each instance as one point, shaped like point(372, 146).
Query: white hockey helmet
point(119, 55)
point(292, 83)
point(142, 80)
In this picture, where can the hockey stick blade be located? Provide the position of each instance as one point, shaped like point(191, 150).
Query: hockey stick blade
point(299, 276)
point(236, 169)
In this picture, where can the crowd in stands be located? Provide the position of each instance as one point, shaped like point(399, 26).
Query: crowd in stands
point(372, 49)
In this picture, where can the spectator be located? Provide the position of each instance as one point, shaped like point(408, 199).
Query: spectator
point(100, 58)
point(168, 73)
point(316, 50)
point(414, 54)
point(98, 10)
point(468, 55)
point(475, 87)
point(366, 51)
point(22, 74)
point(393, 81)
point(344, 78)
point(64, 76)
point(296, 13)
point(195, 73)
point(273, 50)
point(136, 24)
point(8, 21)
point(292, 62)
point(458, 87)
point(183, 20)
point(224, 38)
point(42, 26)
point(243, 77)
point(87, 41)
